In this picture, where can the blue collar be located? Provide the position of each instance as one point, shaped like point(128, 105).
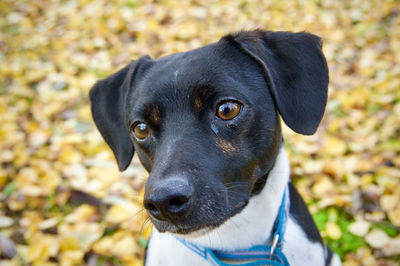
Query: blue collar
point(256, 255)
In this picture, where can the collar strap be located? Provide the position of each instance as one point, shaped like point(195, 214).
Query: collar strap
point(254, 256)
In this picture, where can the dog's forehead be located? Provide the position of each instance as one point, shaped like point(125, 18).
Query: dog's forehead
point(216, 65)
point(180, 70)
point(179, 75)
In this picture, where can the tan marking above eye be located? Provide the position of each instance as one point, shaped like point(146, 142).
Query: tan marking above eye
point(141, 131)
point(155, 115)
point(198, 104)
point(228, 110)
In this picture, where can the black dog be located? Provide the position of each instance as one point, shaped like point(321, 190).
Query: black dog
point(205, 124)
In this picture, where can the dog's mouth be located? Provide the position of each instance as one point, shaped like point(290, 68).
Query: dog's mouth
point(180, 229)
point(197, 224)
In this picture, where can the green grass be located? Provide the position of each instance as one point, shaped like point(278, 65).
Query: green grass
point(347, 242)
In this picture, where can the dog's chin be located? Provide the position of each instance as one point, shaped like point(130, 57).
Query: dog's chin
point(192, 229)
point(182, 229)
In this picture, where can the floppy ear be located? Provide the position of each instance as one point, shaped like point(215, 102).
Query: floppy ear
point(107, 99)
point(295, 70)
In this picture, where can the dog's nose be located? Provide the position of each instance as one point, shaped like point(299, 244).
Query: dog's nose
point(168, 199)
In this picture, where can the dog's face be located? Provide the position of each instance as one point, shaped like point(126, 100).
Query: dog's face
point(206, 130)
point(205, 123)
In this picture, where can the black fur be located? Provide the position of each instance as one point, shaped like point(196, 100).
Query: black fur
point(329, 255)
point(299, 211)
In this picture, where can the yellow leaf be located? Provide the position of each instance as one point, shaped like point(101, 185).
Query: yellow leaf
point(69, 243)
point(333, 146)
point(69, 155)
point(119, 213)
point(333, 230)
point(81, 214)
point(389, 202)
point(124, 246)
point(333, 167)
point(103, 246)
point(147, 231)
point(394, 216)
point(131, 260)
point(323, 187)
point(37, 253)
point(49, 223)
point(37, 138)
point(85, 232)
point(71, 257)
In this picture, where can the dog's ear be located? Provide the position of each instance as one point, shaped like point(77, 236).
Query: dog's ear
point(107, 99)
point(295, 70)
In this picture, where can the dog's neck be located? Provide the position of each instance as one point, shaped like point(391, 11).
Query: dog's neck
point(253, 225)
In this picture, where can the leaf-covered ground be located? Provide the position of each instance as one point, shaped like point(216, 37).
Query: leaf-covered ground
point(62, 199)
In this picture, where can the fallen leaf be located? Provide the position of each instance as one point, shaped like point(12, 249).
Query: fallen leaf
point(71, 257)
point(394, 216)
point(377, 238)
point(333, 146)
point(359, 227)
point(5, 221)
point(333, 230)
point(389, 202)
point(392, 248)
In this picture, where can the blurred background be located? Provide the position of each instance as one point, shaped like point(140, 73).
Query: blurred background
point(62, 198)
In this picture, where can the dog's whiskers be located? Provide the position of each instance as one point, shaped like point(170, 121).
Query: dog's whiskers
point(145, 224)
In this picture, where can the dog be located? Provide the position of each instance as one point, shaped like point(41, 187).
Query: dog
point(206, 125)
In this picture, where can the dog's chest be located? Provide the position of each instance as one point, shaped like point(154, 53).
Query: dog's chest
point(165, 250)
point(298, 249)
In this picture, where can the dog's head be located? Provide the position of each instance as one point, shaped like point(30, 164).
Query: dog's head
point(205, 123)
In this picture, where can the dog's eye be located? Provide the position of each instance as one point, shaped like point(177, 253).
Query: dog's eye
point(228, 110)
point(141, 130)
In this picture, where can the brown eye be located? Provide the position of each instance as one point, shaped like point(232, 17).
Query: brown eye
point(228, 110)
point(141, 131)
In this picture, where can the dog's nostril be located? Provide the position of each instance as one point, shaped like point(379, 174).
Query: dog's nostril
point(174, 204)
point(151, 207)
